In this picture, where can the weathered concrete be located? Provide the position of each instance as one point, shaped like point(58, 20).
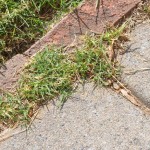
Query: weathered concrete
point(90, 120)
point(137, 62)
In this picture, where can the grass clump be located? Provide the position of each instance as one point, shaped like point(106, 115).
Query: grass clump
point(49, 75)
point(13, 110)
point(52, 74)
point(146, 8)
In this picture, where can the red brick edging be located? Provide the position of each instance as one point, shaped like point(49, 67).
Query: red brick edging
point(84, 19)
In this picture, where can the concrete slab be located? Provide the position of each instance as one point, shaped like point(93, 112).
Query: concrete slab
point(90, 120)
point(137, 62)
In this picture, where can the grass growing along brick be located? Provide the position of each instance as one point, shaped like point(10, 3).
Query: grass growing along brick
point(51, 74)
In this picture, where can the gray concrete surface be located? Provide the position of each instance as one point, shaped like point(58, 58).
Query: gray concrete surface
point(136, 60)
point(90, 120)
point(99, 119)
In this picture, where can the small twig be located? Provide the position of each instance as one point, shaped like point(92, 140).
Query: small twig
point(98, 2)
point(131, 97)
point(78, 19)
